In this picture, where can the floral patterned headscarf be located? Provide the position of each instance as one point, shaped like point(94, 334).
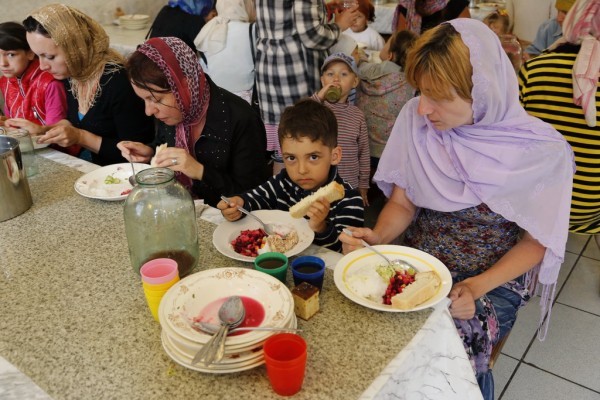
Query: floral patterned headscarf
point(189, 85)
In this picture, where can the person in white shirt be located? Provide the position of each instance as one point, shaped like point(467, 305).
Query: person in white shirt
point(527, 15)
point(225, 42)
point(365, 36)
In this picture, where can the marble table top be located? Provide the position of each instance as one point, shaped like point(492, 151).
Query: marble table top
point(432, 363)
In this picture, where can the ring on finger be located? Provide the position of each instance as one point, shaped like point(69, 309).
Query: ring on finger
point(174, 161)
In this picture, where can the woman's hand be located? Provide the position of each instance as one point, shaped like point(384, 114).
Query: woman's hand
point(463, 302)
point(31, 127)
point(135, 151)
point(62, 135)
point(180, 160)
point(351, 243)
point(230, 210)
point(317, 214)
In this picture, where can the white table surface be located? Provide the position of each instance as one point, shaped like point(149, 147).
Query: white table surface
point(125, 41)
point(434, 365)
point(384, 14)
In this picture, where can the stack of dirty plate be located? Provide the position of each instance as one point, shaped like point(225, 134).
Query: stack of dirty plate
point(198, 298)
point(134, 21)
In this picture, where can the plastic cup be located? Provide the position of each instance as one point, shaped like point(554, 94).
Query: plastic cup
point(161, 286)
point(272, 263)
point(159, 271)
point(285, 357)
point(308, 269)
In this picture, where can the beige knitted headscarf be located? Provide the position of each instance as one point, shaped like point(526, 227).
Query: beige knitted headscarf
point(86, 47)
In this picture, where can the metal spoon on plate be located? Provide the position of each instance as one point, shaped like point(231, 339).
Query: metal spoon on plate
point(396, 262)
point(231, 314)
point(212, 328)
point(267, 227)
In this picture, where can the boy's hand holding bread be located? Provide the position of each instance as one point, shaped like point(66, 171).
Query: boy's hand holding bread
point(317, 205)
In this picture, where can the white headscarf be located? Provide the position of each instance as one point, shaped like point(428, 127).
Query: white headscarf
point(213, 36)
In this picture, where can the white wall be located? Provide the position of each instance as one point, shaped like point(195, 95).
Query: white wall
point(101, 10)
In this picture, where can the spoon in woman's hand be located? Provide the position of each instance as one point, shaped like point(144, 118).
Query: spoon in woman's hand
point(132, 180)
point(395, 262)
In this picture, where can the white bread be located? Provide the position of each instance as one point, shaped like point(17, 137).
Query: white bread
point(159, 148)
point(332, 192)
point(422, 289)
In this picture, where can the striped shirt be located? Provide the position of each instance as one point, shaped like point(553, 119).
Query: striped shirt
point(546, 91)
point(280, 193)
point(353, 138)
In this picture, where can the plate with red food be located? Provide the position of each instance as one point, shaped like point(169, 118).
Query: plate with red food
point(110, 183)
point(244, 239)
point(366, 279)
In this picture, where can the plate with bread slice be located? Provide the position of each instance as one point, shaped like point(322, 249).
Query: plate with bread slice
point(366, 279)
point(244, 239)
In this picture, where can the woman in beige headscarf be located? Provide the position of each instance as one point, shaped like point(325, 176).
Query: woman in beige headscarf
point(102, 108)
point(225, 42)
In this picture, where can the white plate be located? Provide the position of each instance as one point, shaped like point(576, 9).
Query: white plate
point(227, 231)
point(190, 296)
point(211, 369)
point(92, 184)
point(491, 6)
point(422, 261)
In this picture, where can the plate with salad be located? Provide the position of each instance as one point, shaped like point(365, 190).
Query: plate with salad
point(364, 277)
point(109, 183)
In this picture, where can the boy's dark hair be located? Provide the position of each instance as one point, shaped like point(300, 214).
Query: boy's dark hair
point(311, 119)
point(13, 36)
point(400, 43)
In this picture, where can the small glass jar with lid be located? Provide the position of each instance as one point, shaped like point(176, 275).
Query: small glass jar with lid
point(160, 221)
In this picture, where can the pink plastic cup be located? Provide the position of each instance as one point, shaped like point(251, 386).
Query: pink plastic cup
point(285, 357)
point(159, 271)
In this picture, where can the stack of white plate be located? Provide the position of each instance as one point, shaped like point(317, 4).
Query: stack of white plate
point(198, 298)
point(134, 21)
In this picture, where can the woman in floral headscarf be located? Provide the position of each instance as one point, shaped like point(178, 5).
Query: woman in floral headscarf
point(475, 182)
point(102, 109)
point(218, 147)
point(419, 15)
point(561, 87)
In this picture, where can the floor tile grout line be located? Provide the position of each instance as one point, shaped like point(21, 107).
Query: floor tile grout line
point(522, 358)
point(561, 377)
point(578, 309)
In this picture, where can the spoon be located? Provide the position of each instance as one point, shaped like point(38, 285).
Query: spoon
point(132, 180)
point(396, 262)
point(211, 328)
point(267, 227)
point(231, 314)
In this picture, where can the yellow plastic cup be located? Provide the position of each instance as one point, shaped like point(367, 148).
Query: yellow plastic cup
point(160, 286)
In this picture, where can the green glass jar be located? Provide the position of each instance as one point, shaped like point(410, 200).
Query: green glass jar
point(160, 221)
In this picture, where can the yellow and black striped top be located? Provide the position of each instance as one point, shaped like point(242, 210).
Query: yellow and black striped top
point(546, 91)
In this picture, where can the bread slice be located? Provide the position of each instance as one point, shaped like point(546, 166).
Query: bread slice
point(332, 192)
point(306, 300)
point(159, 148)
point(424, 287)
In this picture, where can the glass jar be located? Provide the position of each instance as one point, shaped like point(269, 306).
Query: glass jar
point(160, 221)
point(26, 146)
point(513, 50)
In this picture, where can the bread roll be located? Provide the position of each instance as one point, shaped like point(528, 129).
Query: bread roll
point(422, 289)
point(159, 148)
point(332, 192)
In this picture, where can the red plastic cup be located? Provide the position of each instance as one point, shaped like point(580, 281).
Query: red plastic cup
point(285, 357)
point(159, 271)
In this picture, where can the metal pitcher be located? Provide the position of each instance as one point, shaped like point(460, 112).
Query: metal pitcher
point(15, 196)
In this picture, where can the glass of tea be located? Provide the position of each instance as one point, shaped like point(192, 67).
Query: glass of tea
point(308, 269)
point(272, 263)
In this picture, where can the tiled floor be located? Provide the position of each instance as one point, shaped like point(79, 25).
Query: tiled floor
point(567, 364)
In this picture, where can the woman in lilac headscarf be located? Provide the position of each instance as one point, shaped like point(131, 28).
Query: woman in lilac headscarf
point(476, 182)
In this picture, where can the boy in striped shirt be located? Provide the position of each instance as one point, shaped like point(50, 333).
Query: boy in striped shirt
point(339, 70)
point(308, 138)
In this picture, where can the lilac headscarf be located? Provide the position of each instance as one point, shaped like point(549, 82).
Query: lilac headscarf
point(516, 164)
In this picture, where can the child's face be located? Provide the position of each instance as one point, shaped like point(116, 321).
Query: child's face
point(360, 23)
point(307, 162)
point(338, 73)
point(385, 54)
point(560, 17)
point(498, 28)
point(13, 63)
